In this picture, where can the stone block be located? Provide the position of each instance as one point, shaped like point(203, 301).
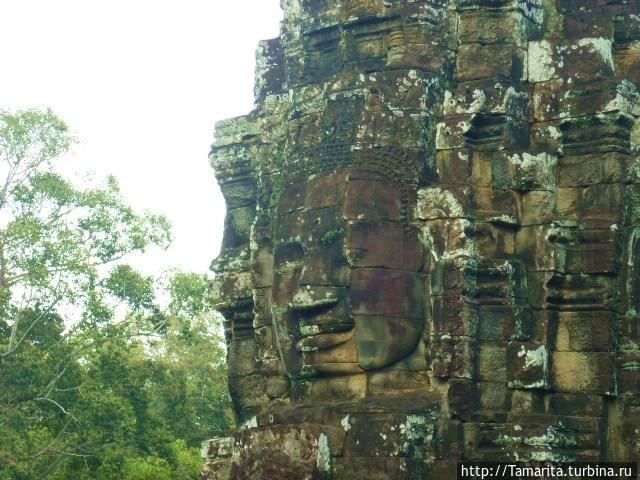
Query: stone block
point(492, 26)
point(441, 469)
point(322, 192)
point(488, 97)
point(493, 397)
point(538, 207)
point(368, 246)
point(271, 76)
point(426, 56)
point(495, 236)
point(602, 98)
point(371, 468)
point(584, 331)
point(453, 166)
point(241, 356)
point(526, 402)
point(489, 204)
point(481, 169)
point(631, 205)
point(592, 169)
point(399, 298)
point(390, 435)
point(583, 372)
point(528, 365)
point(398, 381)
point(588, 23)
point(453, 316)
point(524, 171)
point(503, 62)
point(595, 207)
point(576, 405)
point(583, 61)
point(592, 257)
point(492, 361)
point(440, 203)
point(546, 137)
point(450, 132)
point(277, 387)
point(350, 387)
point(534, 245)
point(533, 439)
point(233, 287)
point(498, 282)
point(601, 133)
point(504, 322)
point(247, 394)
point(371, 200)
point(497, 131)
point(453, 357)
point(462, 397)
point(282, 451)
point(627, 62)
point(555, 100)
point(628, 366)
point(493, 321)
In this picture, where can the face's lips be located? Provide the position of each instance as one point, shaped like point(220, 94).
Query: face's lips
point(323, 321)
point(324, 341)
point(312, 305)
point(313, 327)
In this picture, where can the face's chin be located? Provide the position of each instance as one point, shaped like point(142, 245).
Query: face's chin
point(326, 344)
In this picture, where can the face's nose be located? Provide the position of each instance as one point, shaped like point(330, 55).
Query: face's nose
point(317, 288)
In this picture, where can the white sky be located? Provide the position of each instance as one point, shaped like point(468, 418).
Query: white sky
point(141, 84)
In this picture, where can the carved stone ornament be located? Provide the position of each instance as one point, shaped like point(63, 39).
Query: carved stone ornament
point(432, 245)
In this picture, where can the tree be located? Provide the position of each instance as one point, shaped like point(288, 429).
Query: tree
point(85, 392)
point(150, 396)
point(54, 237)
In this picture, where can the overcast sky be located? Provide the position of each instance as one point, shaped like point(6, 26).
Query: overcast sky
point(141, 84)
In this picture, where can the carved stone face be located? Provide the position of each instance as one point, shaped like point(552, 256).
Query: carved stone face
point(348, 295)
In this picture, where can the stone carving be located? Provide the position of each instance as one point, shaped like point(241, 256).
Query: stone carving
point(343, 303)
point(432, 241)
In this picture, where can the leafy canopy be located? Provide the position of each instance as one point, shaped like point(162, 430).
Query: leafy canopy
point(87, 392)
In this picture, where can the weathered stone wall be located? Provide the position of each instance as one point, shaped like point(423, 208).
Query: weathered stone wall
point(432, 243)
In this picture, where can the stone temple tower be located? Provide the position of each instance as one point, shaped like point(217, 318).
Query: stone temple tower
point(432, 243)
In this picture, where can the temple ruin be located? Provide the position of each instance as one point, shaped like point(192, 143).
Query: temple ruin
point(432, 243)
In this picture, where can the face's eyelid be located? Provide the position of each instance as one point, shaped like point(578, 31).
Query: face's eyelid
point(290, 263)
point(288, 267)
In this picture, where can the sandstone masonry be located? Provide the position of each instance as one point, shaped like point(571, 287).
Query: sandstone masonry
point(432, 244)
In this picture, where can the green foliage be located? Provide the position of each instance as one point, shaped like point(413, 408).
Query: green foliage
point(130, 286)
point(185, 464)
point(189, 295)
point(151, 468)
point(86, 393)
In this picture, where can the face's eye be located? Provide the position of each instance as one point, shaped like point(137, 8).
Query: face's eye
point(288, 269)
point(289, 258)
